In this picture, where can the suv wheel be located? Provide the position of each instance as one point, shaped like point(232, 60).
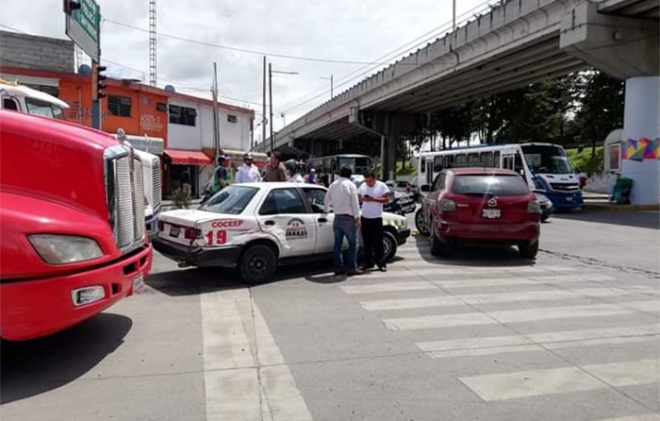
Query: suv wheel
point(528, 250)
point(420, 224)
point(438, 248)
point(257, 264)
point(389, 246)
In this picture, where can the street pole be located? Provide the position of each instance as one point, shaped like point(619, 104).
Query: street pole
point(453, 27)
point(216, 116)
point(332, 84)
point(96, 117)
point(270, 100)
point(263, 121)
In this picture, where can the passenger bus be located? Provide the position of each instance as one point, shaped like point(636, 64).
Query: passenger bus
point(327, 167)
point(544, 167)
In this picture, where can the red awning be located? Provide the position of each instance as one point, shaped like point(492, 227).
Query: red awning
point(188, 157)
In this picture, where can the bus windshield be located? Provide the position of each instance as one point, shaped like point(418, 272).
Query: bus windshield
point(546, 159)
point(357, 165)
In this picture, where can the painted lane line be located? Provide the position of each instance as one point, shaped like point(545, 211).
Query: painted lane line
point(389, 287)
point(528, 280)
point(643, 417)
point(495, 387)
point(513, 316)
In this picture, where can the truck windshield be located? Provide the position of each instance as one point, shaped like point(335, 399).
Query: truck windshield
point(486, 185)
point(44, 109)
point(232, 200)
point(546, 159)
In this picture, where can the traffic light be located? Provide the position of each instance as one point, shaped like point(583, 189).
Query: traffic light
point(70, 6)
point(97, 81)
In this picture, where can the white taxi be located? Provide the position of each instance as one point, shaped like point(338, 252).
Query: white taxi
point(255, 227)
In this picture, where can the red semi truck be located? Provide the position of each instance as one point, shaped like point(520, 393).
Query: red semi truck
point(72, 233)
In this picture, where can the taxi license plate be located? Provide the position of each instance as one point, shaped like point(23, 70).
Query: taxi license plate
point(174, 231)
point(138, 282)
point(491, 213)
point(569, 199)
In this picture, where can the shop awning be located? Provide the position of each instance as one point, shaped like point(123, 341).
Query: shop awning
point(188, 157)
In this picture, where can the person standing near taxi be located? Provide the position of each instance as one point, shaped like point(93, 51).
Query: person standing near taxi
point(221, 177)
point(275, 170)
point(373, 194)
point(248, 172)
point(342, 196)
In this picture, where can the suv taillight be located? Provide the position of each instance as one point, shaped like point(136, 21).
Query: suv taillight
point(192, 233)
point(446, 205)
point(533, 206)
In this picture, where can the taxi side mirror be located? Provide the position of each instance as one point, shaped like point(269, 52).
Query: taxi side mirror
point(425, 188)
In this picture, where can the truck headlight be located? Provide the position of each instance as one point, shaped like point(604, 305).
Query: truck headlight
point(63, 249)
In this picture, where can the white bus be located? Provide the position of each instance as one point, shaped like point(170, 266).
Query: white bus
point(327, 167)
point(544, 167)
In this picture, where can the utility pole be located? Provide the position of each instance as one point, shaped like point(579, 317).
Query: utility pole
point(332, 83)
point(270, 100)
point(216, 116)
point(152, 43)
point(283, 119)
point(263, 116)
point(453, 26)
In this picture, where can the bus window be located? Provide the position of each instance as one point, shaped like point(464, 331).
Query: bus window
point(422, 165)
point(496, 160)
point(473, 159)
point(449, 161)
point(437, 164)
point(518, 165)
point(461, 161)
point(487, 160)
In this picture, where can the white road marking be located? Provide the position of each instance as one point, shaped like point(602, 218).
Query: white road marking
point(528, 280)
point(514, 316)
point(494, 387)
point(643, 417)
point(242, 383)
point(388, 287)
point(509, 297)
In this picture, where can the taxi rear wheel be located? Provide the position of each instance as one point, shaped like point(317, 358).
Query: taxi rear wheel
point(258, 264)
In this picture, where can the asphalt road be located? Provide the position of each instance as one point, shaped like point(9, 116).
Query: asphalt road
point(482, 336)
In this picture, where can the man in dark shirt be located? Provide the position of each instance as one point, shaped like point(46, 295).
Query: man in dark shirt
point(275, 170)
point(221, 175)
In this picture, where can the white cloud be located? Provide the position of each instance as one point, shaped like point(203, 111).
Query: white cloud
point(340, 29)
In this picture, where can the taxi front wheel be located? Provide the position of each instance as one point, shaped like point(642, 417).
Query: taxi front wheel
point(257, 264)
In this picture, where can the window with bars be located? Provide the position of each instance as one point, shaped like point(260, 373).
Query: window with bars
point(182, 115)
point(232, 118)
point(120, 105)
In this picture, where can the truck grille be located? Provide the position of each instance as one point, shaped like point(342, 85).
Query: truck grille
point(157, 190)
point(125, 197)
point(565, 187)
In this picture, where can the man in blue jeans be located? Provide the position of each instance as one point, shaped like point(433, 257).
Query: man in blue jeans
point(342, 196)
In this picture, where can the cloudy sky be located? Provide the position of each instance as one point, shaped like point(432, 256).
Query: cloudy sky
point(357, 31)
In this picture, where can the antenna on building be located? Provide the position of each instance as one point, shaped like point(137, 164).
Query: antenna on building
point(152, 43)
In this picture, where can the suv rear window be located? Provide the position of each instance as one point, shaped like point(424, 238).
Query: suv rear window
point(496, 185)
point(232, 200)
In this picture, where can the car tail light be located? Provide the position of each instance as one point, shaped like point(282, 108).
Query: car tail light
point(192, 233)
point(408, 189)
point(534, 206)
point(447, 205)
point(161, 226)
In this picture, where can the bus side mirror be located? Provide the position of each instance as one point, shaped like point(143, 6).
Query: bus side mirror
point(425, 188)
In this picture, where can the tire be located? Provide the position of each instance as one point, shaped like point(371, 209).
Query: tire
point(544, 218)
point(390, 246)
point(438, 248)
point(257, 264)
point(528, 250)
point(420, 224)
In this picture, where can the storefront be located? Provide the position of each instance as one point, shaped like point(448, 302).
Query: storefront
point(183, 165)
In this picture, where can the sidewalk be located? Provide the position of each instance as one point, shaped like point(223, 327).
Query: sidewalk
point(598, 201)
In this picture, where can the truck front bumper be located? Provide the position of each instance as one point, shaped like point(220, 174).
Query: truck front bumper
point(39, 307)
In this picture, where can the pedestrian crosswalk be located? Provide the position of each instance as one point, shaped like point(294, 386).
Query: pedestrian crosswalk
point(591, 330)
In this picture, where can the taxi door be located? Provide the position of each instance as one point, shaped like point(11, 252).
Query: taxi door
point(325, 236)
point(284, 215)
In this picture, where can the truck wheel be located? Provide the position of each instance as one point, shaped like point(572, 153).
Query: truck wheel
point(389, 246)
point(257, 264)
point(420, 224)
point(528, 250)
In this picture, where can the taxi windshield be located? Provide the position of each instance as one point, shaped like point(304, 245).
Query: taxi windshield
point(232, 200)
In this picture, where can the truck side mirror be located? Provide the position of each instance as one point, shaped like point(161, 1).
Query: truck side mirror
point(425, 188)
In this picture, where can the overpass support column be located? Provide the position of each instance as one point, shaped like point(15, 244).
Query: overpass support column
point(626, 48)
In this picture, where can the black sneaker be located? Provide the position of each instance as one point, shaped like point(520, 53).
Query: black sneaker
point(367, 267)
point(382, 268)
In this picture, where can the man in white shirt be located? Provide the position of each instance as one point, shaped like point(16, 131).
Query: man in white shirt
point(294, 172)
point(248, 172)
point(342, 196)
point(373, 194)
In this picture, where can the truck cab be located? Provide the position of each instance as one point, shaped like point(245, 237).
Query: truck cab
point(72, 230)
point(23, 99)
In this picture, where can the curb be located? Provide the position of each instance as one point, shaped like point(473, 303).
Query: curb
point(621, 208)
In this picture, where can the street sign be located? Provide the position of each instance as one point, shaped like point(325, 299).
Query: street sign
point(82, 26)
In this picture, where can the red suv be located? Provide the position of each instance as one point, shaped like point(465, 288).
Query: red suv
point(480, 205)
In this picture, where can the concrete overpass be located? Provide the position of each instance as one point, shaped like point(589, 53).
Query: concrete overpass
point(516, 43)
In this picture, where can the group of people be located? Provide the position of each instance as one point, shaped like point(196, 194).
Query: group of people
point(248, 172)
point(345, 198)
